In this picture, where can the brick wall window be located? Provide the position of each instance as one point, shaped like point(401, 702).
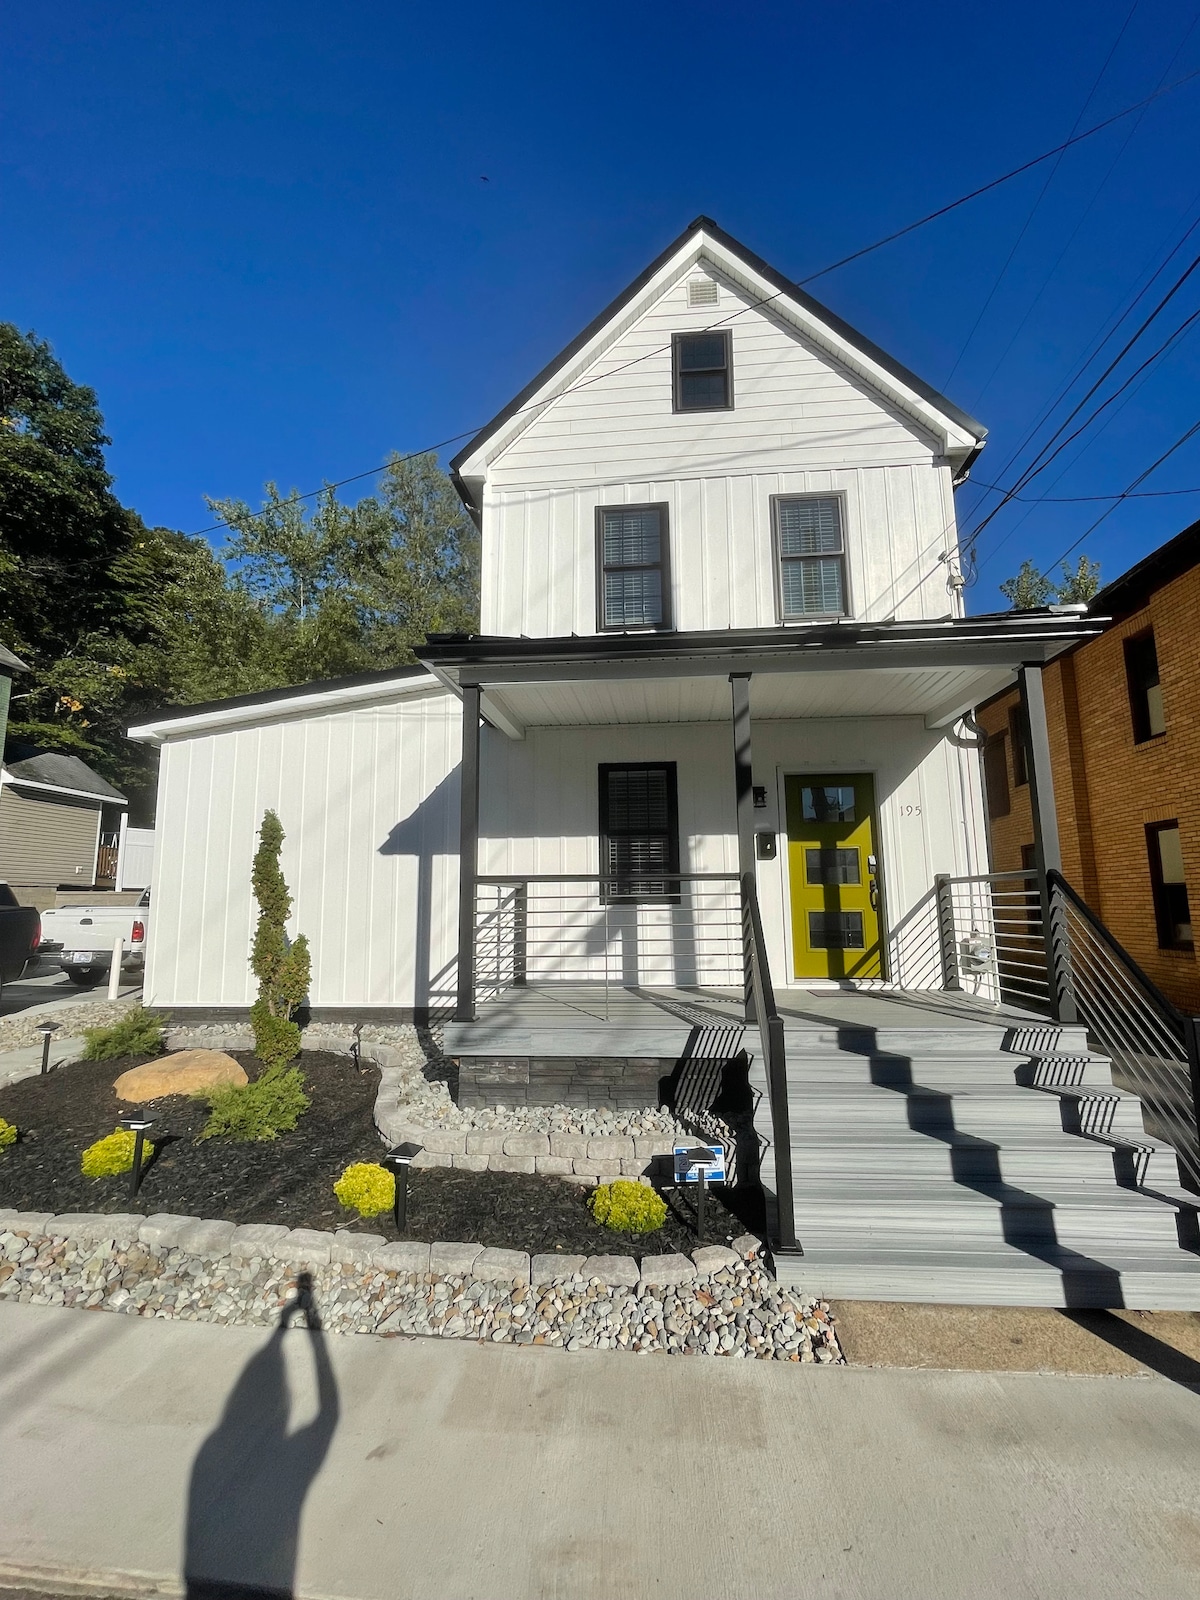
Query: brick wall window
point(1172, 912)
point(1145, 690)
point(1018, 738)
point(995, 775)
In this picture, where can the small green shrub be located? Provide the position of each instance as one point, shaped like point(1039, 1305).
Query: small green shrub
point(282, 966)
point(271, 1105)
point(112, 1155)
point(8, 1134)
point(137, 1033)
point(367, 1188)
point(628, 1207)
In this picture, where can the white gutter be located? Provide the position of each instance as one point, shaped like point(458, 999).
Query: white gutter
point(13, 780)
point(218, 717)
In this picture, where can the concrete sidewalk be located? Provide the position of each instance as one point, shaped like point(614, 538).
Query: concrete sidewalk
point(457, 1470)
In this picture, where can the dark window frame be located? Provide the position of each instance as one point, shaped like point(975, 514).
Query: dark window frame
point(1138, 684)
point(1018, 738)
point(1165, 919)
point(778, 558)
point(617, 891)
point(677, 342)
point(996, 786)
point(663, 566)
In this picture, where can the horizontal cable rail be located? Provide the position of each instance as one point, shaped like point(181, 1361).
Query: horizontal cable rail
point(636, 928)
point(992, 930)
point(762, 1010)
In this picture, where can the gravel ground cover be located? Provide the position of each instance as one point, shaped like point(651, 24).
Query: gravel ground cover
point(19, 1031)
point(737, 1310)
point(290, 1179)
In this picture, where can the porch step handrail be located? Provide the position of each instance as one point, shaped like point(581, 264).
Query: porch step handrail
point(762, 1010)
point(1081, 971)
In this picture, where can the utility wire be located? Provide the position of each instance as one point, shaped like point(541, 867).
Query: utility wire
point(856, 255)
point(1080, 499)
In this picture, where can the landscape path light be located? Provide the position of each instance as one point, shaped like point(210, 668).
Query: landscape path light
point(398, 1160)
point(46, 1029)
point(137, 1125)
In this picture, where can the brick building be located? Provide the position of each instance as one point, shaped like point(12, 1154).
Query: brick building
point(1123, 712)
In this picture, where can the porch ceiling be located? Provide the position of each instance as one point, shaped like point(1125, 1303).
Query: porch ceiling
point(939, 694)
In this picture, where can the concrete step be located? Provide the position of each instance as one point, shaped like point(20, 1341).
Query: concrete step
point(1160, 1280)
point(1062, 1158)
point(986, 1113)
point(933, 1040)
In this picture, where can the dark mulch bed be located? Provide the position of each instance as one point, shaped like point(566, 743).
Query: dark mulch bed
point(290, 1180)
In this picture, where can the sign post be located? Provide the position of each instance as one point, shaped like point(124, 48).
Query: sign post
point(698, 1164)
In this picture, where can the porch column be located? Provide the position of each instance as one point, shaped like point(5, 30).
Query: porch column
point(468, 852)
point(1047, 852)
point(743, 774)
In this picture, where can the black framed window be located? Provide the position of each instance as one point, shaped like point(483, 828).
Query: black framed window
point(1145, 689)
point(810, 556)
point(634, 575)
point(1172, 912)
point(995, 775)
point(639, 832)
point(1018, 737)
point(703, 370)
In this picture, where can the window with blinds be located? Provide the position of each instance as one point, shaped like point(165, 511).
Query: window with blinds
point(639, 833)
point(633, 580)
point(810, 556)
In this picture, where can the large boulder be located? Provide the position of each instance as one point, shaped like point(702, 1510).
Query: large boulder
point(184, 1072)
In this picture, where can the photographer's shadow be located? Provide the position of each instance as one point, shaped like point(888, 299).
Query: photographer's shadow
point(251, 1475)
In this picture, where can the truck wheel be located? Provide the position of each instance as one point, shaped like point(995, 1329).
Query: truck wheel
point(85, 977)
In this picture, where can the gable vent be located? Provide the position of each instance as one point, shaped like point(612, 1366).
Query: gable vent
point(702, 292)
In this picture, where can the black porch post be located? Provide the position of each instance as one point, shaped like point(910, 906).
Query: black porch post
point(468, 852)
point(743, 774)
point(1047, 852)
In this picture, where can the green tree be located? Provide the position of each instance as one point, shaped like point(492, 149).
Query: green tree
point(281, 967)
point(1081, 585)
point(1029, 589)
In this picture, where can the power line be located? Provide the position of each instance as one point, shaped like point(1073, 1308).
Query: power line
point(856, 255)
point(1080, 499)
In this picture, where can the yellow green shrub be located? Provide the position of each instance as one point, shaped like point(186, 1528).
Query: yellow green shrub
point(112, 1155)
point(628, 1207)
point(8, 1134)
point(367, 1188)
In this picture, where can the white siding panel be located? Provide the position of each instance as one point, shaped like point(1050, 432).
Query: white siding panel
point(369, 804)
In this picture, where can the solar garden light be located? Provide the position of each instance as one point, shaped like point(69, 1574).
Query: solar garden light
point(398, 1160)
point(356, 1047)
point(137, 1125)
point(45, 1029)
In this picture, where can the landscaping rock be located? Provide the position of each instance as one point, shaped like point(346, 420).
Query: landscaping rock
point(747, 1245)
point(90, 1226)
point(356, 1249)
point(404, 1255)
point(660, 1272)
point(501, 1266)
point(453, 1258)
point(712, 1257)
point(546, 1268)
point(612, 1269)
point(527, 1144)
point(512, 1163)
point(207, 1238)
point(162, 1231)
point(184, 1072)
point(255, 1239)
point(304, 1247)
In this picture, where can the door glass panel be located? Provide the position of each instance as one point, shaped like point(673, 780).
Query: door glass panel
point(835, 930)
point(828, 803)
point(832, 866)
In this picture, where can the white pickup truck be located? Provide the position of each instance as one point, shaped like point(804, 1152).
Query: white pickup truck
point(80, 938)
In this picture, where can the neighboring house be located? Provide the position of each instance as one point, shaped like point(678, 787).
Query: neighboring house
point(1124, 719)
point(716, 724)
point(59, 824)
point(9, 664)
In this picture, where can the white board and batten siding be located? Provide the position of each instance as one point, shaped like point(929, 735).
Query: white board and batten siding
point(800, 424)
point(368, 799)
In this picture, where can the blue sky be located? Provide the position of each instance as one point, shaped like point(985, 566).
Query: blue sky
point(261, 231)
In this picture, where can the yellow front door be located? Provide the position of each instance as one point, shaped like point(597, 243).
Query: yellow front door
point(834, 872)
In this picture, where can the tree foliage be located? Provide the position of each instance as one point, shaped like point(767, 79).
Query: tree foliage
point(1081, 585)
point(1030, 588)
point(281, 966)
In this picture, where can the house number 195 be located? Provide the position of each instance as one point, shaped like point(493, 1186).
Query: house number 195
point(910, 811)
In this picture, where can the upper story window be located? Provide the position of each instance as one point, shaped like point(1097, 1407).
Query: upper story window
point(1018, 737)
point(703, 365)
point(1172, 913)
point(634, 587)
point(810, 556)
point(1145, 690)
point(995, 775)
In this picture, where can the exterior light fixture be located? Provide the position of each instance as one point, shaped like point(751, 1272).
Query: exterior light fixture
point(46, 1029)
point(356, 1047)
point(398, 1160)
point(136, 1125)
point(697, 1164)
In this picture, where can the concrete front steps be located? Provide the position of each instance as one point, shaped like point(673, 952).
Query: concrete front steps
point(995, 1165)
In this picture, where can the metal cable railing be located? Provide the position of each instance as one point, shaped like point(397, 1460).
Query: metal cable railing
point(993, 938)
point(762, 1011)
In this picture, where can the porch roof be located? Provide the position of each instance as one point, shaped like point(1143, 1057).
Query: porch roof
point(932, 669)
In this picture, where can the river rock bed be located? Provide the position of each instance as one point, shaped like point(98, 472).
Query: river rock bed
point(737, 1310)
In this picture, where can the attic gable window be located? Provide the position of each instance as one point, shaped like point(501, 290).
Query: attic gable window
point(703, 370)
point(633, 578)
point(810, 557)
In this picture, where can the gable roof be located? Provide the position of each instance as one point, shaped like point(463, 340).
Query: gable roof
point(695, 235)
point(53, 769)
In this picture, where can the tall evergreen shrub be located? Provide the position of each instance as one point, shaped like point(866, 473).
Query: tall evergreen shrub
point(282, 968)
